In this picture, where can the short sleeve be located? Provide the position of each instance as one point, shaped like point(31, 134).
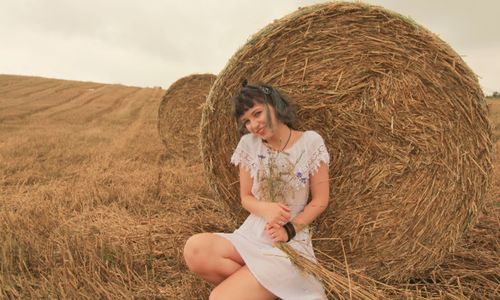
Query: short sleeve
point(318, 154)
point(243, 155)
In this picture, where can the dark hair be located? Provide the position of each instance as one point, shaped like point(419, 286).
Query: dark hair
point(266, 94)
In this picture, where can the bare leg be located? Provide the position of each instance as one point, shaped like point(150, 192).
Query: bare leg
point(212, 257)
point(242, 285)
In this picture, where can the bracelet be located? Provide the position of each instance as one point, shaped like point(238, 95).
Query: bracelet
point(288, 233)
point(290, 230)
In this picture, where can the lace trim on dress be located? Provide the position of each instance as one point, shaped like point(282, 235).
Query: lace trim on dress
point(318, 156)
point(241, 156)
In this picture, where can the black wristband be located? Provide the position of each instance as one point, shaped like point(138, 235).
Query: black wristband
point(288, 233)
point(290, 230)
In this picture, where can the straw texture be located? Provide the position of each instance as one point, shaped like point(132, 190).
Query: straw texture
point(404, 120)
point(179, 114)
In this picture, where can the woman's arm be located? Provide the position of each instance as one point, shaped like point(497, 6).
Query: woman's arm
point(319, 184)
point(273, 213)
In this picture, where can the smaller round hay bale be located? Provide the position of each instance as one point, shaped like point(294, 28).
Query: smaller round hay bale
point(179, 114)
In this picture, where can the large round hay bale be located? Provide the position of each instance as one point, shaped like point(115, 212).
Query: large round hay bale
point(179, 114)
point(404, 120)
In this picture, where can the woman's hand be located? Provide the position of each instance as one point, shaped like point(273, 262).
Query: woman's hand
point(276, 214)
point(276, 234)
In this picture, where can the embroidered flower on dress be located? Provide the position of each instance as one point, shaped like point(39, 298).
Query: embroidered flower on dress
point(300, 177)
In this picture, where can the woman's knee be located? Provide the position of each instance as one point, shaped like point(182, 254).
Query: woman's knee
point(195, 253)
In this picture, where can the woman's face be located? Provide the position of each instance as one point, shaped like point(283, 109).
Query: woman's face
point(255, 120)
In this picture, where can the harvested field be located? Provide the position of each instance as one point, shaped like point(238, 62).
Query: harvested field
point(494, 105)
point(90, 208)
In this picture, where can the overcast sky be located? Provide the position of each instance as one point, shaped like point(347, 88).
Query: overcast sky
point(155, 42)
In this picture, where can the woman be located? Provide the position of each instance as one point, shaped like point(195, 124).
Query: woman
point(246, 264)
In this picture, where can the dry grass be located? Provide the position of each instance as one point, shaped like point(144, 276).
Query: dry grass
point(90, 207)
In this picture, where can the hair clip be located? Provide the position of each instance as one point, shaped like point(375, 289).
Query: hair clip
point(266, 90)
point(244, 83)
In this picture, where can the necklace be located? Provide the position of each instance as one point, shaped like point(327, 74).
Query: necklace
point(288, 140)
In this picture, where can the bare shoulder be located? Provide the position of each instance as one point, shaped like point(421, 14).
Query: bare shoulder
point(313, 136)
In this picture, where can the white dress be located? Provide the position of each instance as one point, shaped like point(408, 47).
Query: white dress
point(268, 264)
